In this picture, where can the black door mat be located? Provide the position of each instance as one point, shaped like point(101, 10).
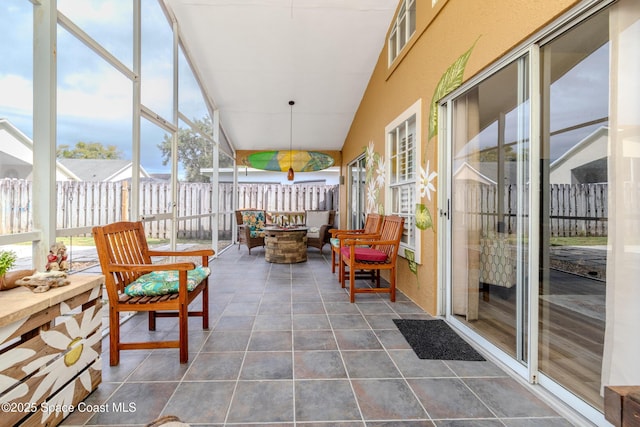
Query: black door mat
point(434, 339)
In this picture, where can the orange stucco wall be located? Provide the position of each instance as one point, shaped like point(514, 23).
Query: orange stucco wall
point(443, 33)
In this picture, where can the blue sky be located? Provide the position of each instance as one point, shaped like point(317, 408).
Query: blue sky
point(95, 99)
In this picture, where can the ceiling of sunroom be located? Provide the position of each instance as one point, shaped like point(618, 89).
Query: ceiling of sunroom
point(254, 56)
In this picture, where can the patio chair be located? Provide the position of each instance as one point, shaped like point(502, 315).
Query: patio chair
point(135, 284)
point(318, 224)
point(372, 225)
point(251, 223)
point(373, 255)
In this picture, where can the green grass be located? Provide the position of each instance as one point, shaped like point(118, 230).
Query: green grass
point(578, 241)
point(567, 241)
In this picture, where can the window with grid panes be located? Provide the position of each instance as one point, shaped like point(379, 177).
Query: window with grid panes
point(403, 28)
point(402, 149)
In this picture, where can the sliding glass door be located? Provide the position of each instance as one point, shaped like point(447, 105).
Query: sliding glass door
point(574, 195)
point(489, 190)
point(545, 195)
point(357, 173)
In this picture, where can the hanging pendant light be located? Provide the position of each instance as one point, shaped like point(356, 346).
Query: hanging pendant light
point(290, 172)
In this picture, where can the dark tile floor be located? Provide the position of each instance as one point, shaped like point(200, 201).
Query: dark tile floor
point(287, 348)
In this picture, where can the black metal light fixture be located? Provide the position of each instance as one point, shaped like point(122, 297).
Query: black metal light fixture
point(290, 172)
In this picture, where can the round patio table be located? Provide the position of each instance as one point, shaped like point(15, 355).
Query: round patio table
point(285, 245)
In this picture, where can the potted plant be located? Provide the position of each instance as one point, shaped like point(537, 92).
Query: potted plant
point(8, 278)
point(7, 259)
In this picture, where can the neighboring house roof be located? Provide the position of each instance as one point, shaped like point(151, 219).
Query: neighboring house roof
point(466, 172)
point(510, 171)
point(487, 172)
point(594, 137)
point(161, 176)
point(16, 154)
point(102, 170)
point(585, 162)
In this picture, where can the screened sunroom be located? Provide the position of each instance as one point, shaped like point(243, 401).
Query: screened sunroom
point(452, 117)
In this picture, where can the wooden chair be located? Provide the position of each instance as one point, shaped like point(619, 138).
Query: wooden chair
point(250, 227)
point(381, 254)
point(125, 259)
point(318, 230)
point(372, 225)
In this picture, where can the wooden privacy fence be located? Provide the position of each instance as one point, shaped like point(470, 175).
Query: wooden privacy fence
point(15, 205)
point(578, 210)
point(84, 204)
point(574, 209)
point(288, 198)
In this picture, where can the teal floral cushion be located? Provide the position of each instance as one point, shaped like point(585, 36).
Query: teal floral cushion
point(165, 282)
point(335, 242)
point(255, 220)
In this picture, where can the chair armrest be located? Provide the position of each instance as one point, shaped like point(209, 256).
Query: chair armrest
point(194, 252)
point(372, 242)
point(335, 231)
point(180, 266)
point(324, 232)
point(359, 236)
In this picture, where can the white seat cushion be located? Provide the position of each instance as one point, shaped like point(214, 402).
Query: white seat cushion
point(315, 220)
point(313, 232)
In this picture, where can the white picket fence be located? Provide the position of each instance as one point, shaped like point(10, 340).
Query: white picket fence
point(85, 204)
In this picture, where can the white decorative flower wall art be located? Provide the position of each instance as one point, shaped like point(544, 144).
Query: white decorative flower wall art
point(423, 216)
point(375, 177)
point(77, 351)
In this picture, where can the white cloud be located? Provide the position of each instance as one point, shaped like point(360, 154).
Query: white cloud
point(85, 12)
point(105, 96)
point(17, 94)
point(94, 90)
point(157, 94)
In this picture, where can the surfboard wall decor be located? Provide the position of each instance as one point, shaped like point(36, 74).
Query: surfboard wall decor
point(299, 160)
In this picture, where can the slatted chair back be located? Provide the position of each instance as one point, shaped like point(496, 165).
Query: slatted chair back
point(118, 244)
point(125, 258)
point(373, 223)
point(391, 230)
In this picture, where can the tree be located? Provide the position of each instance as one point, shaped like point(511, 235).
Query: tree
point(88, 150)
point(194, 151)
point(491, 154)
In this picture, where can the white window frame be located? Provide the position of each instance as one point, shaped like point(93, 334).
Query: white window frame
point(405, 179)
point(402, 29)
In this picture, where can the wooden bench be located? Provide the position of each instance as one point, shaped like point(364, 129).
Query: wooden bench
point(124, 258)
